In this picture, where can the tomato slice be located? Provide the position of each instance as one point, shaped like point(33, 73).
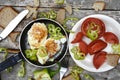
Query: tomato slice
point(99, 58)
point(78, 37)
point(96, 46)
point(111, 38)
point(83, 47)
point(93, 26)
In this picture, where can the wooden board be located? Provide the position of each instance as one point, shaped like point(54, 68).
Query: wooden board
point(81, 8)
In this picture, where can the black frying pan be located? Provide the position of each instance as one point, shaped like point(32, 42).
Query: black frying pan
point(23, 45)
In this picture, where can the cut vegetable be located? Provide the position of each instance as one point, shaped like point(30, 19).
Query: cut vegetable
point(83, 47)
point(46, 73)
point(92, 31)
point(73, 19)
point(31, 54)
point(60, 1)
point(42, 75)
point(99, 58)
point(77, 54)
point(96, 46)
point(52, 73)
point(21, 72)
point(111, 38)
point(78, 37)
point(88, 77)
point(50, 14)
point(5, 56)
point(76, 71)
point(55, 32)
point(93, 28)
point(116, 48)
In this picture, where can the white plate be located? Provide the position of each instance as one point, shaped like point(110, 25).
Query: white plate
point(111, 25)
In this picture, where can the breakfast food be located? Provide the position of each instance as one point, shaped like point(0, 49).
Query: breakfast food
point(45, 40)
point(96, 46)
point(99, 5)
point(99, 58)
point(60, 16)
point(41, 75)
point(37, 35)
point(78, 37)
point(111, 38)
point(36, 3)
point(14, 35)
point(69, 77)
point(42, 55)
point(94, 39)
point(112, 59)
point(52, 46)
point(83, 47)
point(68, 8)
point(7, 14)
point(93, 28)
point(32, 12)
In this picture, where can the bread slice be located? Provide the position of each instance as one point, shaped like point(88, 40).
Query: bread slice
point(112, 59)
point(99, 5)
point(7, 14)
point(32, 12)
point(13, 36)
point(36, 3)
point(69, 77)
point(13, 51)
point(68, 8)
point(61, 16)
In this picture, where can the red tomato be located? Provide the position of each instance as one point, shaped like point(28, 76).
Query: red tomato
point(93, 24)
point(78, 37)
point(99, 58)
point(83, 47)
point(111, 38)
point(96, 46)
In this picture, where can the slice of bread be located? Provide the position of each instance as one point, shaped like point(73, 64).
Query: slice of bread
point(99, 5)
point(69, 77)
point(68, 8)
point(112, 59)
point(60, 16)
point(7, 14)
point(32, 12)
point(14, 35)
point(12, 51)
point(36, 3)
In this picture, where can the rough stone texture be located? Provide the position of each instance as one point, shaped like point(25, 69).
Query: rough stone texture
point(81, 8)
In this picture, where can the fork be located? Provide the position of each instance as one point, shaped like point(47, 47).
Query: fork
point(64, 66)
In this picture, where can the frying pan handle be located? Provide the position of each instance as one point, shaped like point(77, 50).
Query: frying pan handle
point(11, 61)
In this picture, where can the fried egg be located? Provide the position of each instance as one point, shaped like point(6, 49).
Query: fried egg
point(42, 55)
point(37, 35)
point(52, 46)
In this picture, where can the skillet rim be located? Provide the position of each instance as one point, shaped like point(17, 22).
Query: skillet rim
point(44, 66)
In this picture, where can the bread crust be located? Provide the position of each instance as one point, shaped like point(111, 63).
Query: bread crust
point(99, 5)
point(11, 8)
point(112, 59)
